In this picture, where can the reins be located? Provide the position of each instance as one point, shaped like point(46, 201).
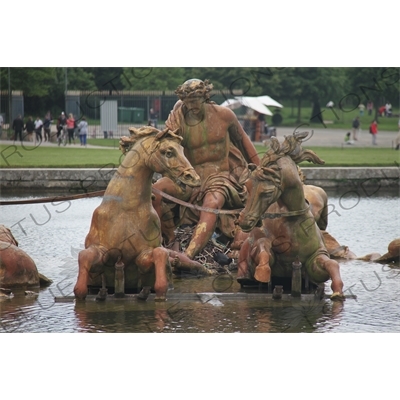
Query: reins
point(156, 191)
point(194, 206)
point(101, 193)
point(52, 199)
point(286, 214)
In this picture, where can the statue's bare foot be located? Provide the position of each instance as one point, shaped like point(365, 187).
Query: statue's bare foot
point(263, 273)
point(182, 262)
point(175, 261)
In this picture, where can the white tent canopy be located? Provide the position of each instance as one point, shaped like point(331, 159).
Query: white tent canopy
point(250, 102)
point(258, 104)
point(269, 101)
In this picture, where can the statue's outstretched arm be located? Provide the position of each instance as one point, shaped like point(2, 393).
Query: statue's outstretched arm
point(242, 141)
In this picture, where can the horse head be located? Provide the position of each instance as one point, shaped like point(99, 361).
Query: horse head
point(163, 153)
point(265, 184)
point(267, 179)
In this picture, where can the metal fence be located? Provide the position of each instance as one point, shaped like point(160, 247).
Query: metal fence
point(11, 105)
point(133, 108)
point(120, 109)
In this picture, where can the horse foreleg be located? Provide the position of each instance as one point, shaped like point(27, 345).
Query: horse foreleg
point(243, 267)
point(262, 258)
point(167, 224)
point(161, 264)
point(333, 270)
point(87, 259)
point(157, 258)
point(263, 270)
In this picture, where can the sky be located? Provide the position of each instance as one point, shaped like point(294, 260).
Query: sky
point(206, 34)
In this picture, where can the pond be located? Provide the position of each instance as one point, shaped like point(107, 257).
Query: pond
point(53, 234)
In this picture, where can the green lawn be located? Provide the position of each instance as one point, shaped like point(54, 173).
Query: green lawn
point(334, 119)
point(57, 157)
point(16, 156)
point(114, 143)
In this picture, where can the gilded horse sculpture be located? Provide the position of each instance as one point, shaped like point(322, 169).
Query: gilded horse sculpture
point(318, 200)
point(289, 230)
point(125, 228)
point(17, 269)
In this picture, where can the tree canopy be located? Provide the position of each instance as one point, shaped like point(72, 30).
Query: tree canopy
point(346, 87)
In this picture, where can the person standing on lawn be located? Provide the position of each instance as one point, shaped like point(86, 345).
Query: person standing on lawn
point(46, 127)
point(373, 129)
point(30, 128)
point(71, 128)
point(61, 122)
point(83, 130)
point(18, 126)
point(398, 137)
point(370, 107)
point(38, 129)
point(356, 127)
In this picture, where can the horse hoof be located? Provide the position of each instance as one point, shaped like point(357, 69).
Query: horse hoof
point(102, 295)
point(338, 296)
point(263, 273)
point(80, 296)
point(144, 293)
point(245, 280)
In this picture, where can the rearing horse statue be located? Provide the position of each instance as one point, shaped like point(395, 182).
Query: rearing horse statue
point(125, 228)
point(289, 232)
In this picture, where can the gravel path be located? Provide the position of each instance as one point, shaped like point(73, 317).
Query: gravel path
point(321, 137)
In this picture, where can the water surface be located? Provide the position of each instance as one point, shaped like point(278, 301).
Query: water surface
point(53, 234)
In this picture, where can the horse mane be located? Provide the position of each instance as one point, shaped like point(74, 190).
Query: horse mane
point(302, 176)
point(126, 143)
point(291, 147)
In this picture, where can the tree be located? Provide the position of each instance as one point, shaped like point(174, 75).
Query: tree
point(107, 78)
point(371, 84)
point(79, 79)
point(313, 85)
point(32, 81)
point(44, 88)
point(152, 78)
point(255, 81)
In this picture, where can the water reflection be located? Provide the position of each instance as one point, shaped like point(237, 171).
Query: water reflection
point(53, 236)
point(257, 316)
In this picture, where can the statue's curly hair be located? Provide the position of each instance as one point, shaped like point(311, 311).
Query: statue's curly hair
point(195, 87)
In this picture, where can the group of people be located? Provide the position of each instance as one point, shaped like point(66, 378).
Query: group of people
point(356, 126)
point(34, 128)
point(386, 110)
point(69, 126)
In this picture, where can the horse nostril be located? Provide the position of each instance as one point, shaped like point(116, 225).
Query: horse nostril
point(188, 176)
